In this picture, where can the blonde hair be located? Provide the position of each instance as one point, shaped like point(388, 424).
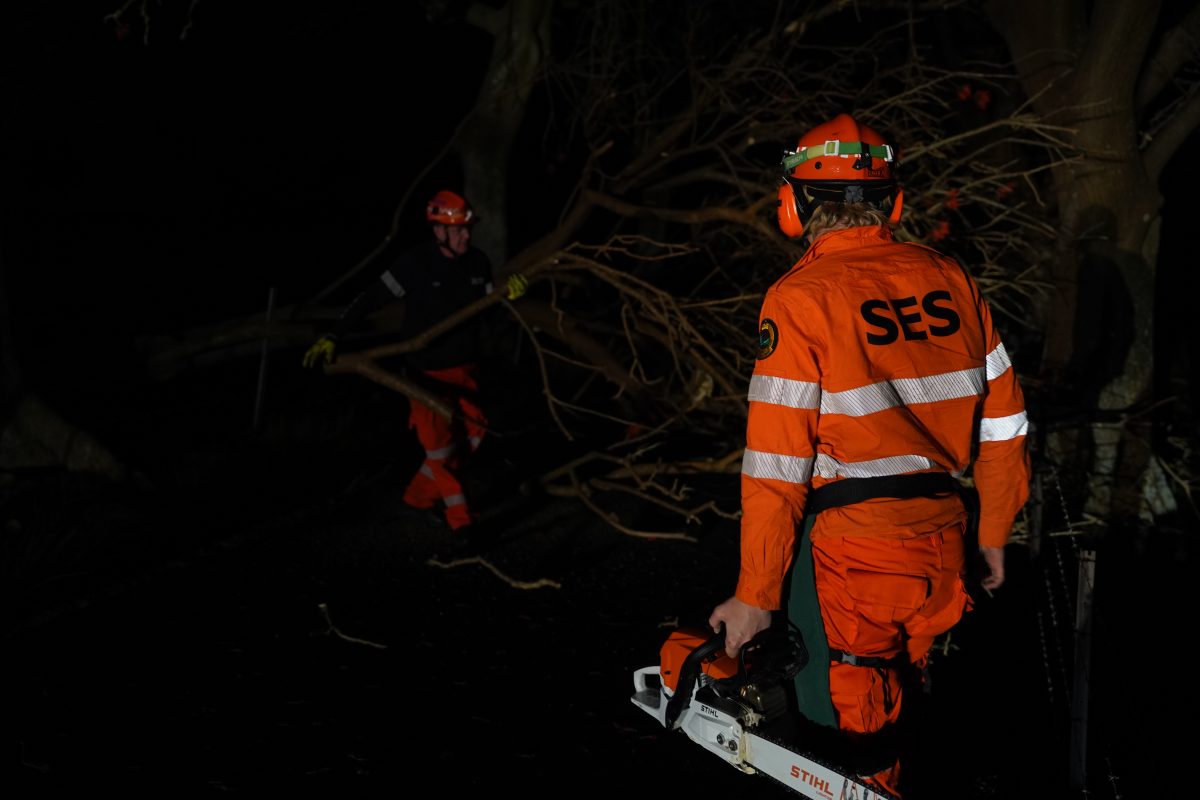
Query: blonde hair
point(833, 216)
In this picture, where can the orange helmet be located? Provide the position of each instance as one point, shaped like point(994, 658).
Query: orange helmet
point(448, 208)
point(839, 160)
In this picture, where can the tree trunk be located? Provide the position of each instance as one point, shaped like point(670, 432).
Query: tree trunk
point(1099, 322)
point(520, 32)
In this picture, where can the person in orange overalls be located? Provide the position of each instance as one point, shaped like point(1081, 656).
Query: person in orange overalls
point(433, 280)
point(879, 381)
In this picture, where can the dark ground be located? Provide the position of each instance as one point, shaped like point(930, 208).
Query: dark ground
point(178, 642)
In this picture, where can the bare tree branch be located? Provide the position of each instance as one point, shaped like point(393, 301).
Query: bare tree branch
point(1172, 136)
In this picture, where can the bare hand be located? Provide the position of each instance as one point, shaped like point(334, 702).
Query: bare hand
point(994, 558)
point(742, 623)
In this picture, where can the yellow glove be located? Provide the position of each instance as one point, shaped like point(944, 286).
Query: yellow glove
point(517, 284)
point(322, 351)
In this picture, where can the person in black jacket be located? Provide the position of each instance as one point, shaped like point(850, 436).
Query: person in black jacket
point(434, 280)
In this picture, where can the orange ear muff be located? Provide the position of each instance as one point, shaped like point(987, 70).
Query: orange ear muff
point(789, 216)
point(897, 206)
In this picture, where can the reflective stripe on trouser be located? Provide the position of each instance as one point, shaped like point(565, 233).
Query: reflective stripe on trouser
point(421, 491)
point(880, 597)
point(438, 478)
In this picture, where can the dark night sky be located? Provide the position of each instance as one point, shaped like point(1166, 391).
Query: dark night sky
point(192, 175)
point(149, 189)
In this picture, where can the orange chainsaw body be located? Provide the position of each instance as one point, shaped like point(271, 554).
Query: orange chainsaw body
point(679, 645)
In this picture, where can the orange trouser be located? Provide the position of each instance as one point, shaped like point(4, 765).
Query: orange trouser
point(882, 597)
point(444, 441)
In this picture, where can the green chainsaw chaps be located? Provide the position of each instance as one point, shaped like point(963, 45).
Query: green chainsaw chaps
point(804, 612)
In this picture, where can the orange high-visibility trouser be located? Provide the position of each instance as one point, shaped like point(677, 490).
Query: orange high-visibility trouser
point(444, 442)
point(879, 597)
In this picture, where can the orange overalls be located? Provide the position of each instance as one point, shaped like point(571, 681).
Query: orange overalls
point(877, 358)
point(444, 440)
point(433, 285)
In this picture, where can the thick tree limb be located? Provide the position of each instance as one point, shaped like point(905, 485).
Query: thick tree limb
point(363, 364)
point(1178, 46)
point(1172, 136)
point(1118, 38)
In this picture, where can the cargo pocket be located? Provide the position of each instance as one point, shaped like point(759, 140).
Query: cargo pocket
point(886, 597)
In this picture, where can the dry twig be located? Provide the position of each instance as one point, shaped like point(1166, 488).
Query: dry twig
point(330, 628)
point(541, 583)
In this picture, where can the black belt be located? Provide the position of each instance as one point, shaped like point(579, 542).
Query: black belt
point(854, 490)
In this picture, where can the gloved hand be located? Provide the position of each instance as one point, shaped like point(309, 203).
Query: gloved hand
point(516, 284)
point(322, 351)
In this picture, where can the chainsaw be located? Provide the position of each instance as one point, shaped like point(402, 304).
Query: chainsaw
point(740, 710)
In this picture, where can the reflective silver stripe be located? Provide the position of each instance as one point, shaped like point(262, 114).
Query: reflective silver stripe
point(475, 441)
point(879, 396)
point(1001, 429)
point(426, 471)
point(784, 392)
point(829, 467)
point(392, 284)
point(454, 500)
point(903, 392)
point(792, 469)
point(440, 453)
point(998, 362)
point(487, 288)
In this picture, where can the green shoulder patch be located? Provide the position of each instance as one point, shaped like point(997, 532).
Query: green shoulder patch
point(768, 338)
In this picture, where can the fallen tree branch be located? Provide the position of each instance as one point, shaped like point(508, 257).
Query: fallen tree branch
point(363, 364)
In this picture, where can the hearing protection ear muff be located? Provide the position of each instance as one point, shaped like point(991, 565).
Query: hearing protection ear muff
point(789, 212)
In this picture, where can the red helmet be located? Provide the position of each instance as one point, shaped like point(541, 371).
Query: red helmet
point(448, 208)
point(839, 160)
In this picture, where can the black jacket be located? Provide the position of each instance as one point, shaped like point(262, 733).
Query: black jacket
point(432, 287)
